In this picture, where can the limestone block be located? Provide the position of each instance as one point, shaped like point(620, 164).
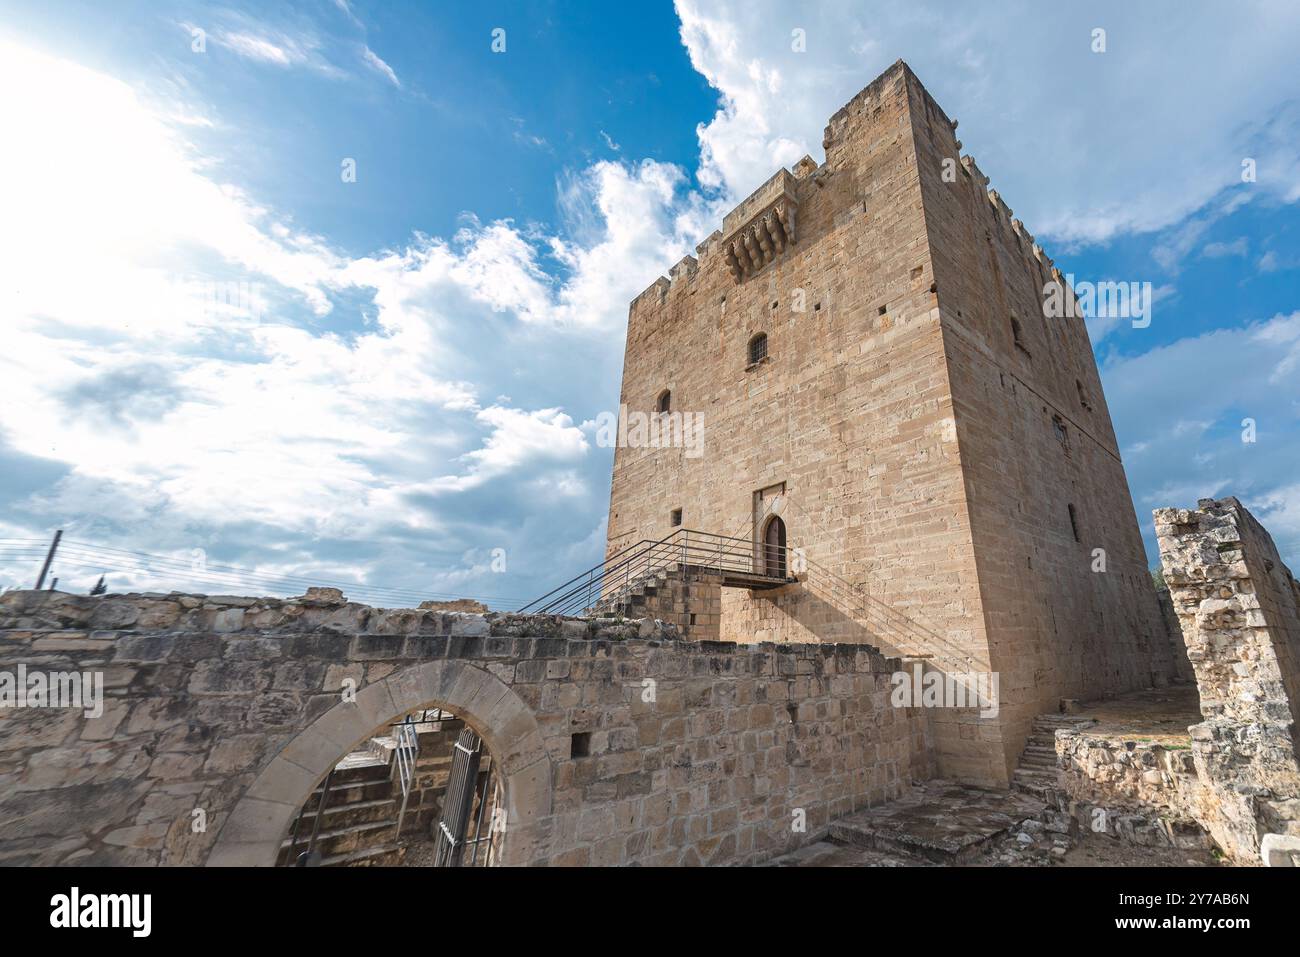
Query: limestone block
point(1280, 850)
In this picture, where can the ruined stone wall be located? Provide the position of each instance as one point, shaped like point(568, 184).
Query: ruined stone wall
point(1055, 626)
point(690, 600)
point(1183, 672)
point(1145, 792)
point(1238, 607)
point(848, 419)
point(616, 743)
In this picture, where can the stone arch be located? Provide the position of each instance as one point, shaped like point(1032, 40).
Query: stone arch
point(252, 833)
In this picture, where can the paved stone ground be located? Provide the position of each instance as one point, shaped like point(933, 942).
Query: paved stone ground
point(1093, 850)
point(1158, 715)
point(939, 823)
point(831, 854)
point(938, 820)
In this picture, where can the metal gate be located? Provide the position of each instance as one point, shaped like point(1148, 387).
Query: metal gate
point(458, 803)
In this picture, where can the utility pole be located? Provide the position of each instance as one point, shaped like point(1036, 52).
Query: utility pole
point(54, 546)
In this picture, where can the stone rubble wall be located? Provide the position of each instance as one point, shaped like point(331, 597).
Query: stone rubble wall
point(229, 709)
point(690, 600)
point(1148, 793)
point(1182, 664)
point(1239, 610)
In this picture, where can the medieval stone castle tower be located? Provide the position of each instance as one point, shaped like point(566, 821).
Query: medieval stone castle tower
point(865, 342)
point(906, 469)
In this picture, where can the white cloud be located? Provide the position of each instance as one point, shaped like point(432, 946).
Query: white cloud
point(1181, 411)
point(1237, 247)
point(286, 53)
point(379, 66)
point(192, 415)
point(1084, 146)
point(517, 439)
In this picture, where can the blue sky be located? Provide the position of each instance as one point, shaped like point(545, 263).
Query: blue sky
point(401, 389)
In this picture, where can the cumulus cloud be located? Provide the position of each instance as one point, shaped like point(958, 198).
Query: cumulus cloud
point(1185, 411)
point(1084, 146)
point(162, 349)
point(185, 313)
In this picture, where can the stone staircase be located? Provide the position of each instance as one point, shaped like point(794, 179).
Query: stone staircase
point(685, 595)
point(633, 599)
point(359, 827)
point(1036, 774)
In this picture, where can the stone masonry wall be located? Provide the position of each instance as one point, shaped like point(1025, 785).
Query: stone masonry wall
point(1044, 483)
point(913, 445)
point(1239, 608)
point(847, 420)
point(616, 743)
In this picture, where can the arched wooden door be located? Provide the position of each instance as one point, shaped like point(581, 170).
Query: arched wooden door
point(774, 548)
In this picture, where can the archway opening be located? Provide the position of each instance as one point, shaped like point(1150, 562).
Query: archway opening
point(254, 831)
point(422, 790)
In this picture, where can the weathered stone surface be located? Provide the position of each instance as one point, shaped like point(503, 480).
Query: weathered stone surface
point(908, 440)
point(696, 752)
point(1280, 850)
point(1239, 610)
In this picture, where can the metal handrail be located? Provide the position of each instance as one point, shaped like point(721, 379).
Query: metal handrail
point(311, 857)
point(889, 630)
point(594, 568)
point(406, 753)
point(684, 548)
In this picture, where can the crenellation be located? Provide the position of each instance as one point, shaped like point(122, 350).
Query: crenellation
point(686, 267)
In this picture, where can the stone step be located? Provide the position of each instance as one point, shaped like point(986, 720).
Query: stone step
point(333, 842)
point(1037, 764)
point(1035, 751)
point(359, 766)
point(384, 855)
point(845, 832)
point(1053, 722)
point(1041, 784)
point(1035, 773)
point(351, 792)
point(341, 815)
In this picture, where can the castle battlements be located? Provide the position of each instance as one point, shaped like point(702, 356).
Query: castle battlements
point(765, 225)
